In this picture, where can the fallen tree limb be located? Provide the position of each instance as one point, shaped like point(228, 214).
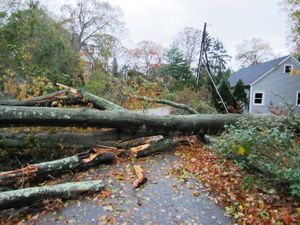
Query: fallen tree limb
point(163, 145)
point(170, 103)
point(78, 162)
point(75, 97)
point(141, 178)
point(27, 196)
point(179, 124)
point(35, 101)
point(98, 102)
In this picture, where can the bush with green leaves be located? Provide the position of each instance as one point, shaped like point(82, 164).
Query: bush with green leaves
point(32, 44)
point(266, 146)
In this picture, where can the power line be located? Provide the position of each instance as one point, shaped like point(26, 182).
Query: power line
point(201, 54)
point(215, 86)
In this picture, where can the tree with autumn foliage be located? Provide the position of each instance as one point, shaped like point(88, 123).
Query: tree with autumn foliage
point(146, 57)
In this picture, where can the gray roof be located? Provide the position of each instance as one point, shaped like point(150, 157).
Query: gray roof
point(250, 74)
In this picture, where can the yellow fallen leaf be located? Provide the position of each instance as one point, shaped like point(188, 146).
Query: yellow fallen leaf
point(241, 150)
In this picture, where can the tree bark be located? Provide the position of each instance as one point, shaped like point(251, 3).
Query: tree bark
point(183, 124)
point(163, 145)
point(56, 167)
point(98, 102)
point(27, 196)
point(35, 101)
point(16, 142)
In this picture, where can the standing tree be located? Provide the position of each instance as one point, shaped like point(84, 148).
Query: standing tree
point(90, 19)
point(292, 8)
point(216, 56)
point(177, 67)
point(254, 51)
point(188, 41)
point(146, 56)
point(34, 45)
point(239, 92)
point(115, 69)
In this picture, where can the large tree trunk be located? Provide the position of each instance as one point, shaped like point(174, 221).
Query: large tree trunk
point(27, 196)
point(185, 124)
point(78, 162)
point(17, 142)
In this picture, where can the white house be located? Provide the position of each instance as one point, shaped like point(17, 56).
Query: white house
point(271, 83)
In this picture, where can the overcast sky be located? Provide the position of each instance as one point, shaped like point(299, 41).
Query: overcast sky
point(232, 21)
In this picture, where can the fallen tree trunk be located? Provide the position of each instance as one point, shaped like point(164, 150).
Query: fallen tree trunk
point(182, 124)
point(78, 162)
point(27, 196)
point(12, 142)
point(170, 103)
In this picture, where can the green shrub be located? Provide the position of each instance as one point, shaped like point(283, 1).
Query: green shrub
point(195, 99)
point(265, 146)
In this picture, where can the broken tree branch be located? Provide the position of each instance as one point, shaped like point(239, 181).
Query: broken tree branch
point(170, 103)
point(163, 145)
point(98, 102)
point(27, 196)
point(35, 101)
point(141, 178)
point(78, 162)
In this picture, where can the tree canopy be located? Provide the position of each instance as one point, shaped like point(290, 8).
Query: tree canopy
point(253, 51)
point(32, 44)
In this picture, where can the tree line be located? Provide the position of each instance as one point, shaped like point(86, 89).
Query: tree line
point(39, 49)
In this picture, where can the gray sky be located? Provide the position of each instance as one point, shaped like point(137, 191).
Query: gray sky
point(232, 21)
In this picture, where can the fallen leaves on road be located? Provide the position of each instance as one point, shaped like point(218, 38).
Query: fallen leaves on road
point(225, 182)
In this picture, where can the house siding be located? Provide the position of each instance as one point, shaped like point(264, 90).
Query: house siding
point(277, 82)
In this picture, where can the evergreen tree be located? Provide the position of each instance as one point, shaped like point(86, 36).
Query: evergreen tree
point(239, 92)
point(177, 67)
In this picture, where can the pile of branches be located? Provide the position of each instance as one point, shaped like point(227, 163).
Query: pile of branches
point(120, 132)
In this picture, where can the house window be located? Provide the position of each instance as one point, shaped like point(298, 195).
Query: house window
point(258, 98)
point(288, 68)
point(298, 98)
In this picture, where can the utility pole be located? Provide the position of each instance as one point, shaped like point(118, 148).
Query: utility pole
point(207, 69)
point(201, 54)
point(216, 88)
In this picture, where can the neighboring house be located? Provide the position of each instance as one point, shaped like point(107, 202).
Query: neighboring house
point(267, 81)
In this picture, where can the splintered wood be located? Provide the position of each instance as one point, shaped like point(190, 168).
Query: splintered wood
point(141, 178)
point(95, 152)
point(137, 149)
